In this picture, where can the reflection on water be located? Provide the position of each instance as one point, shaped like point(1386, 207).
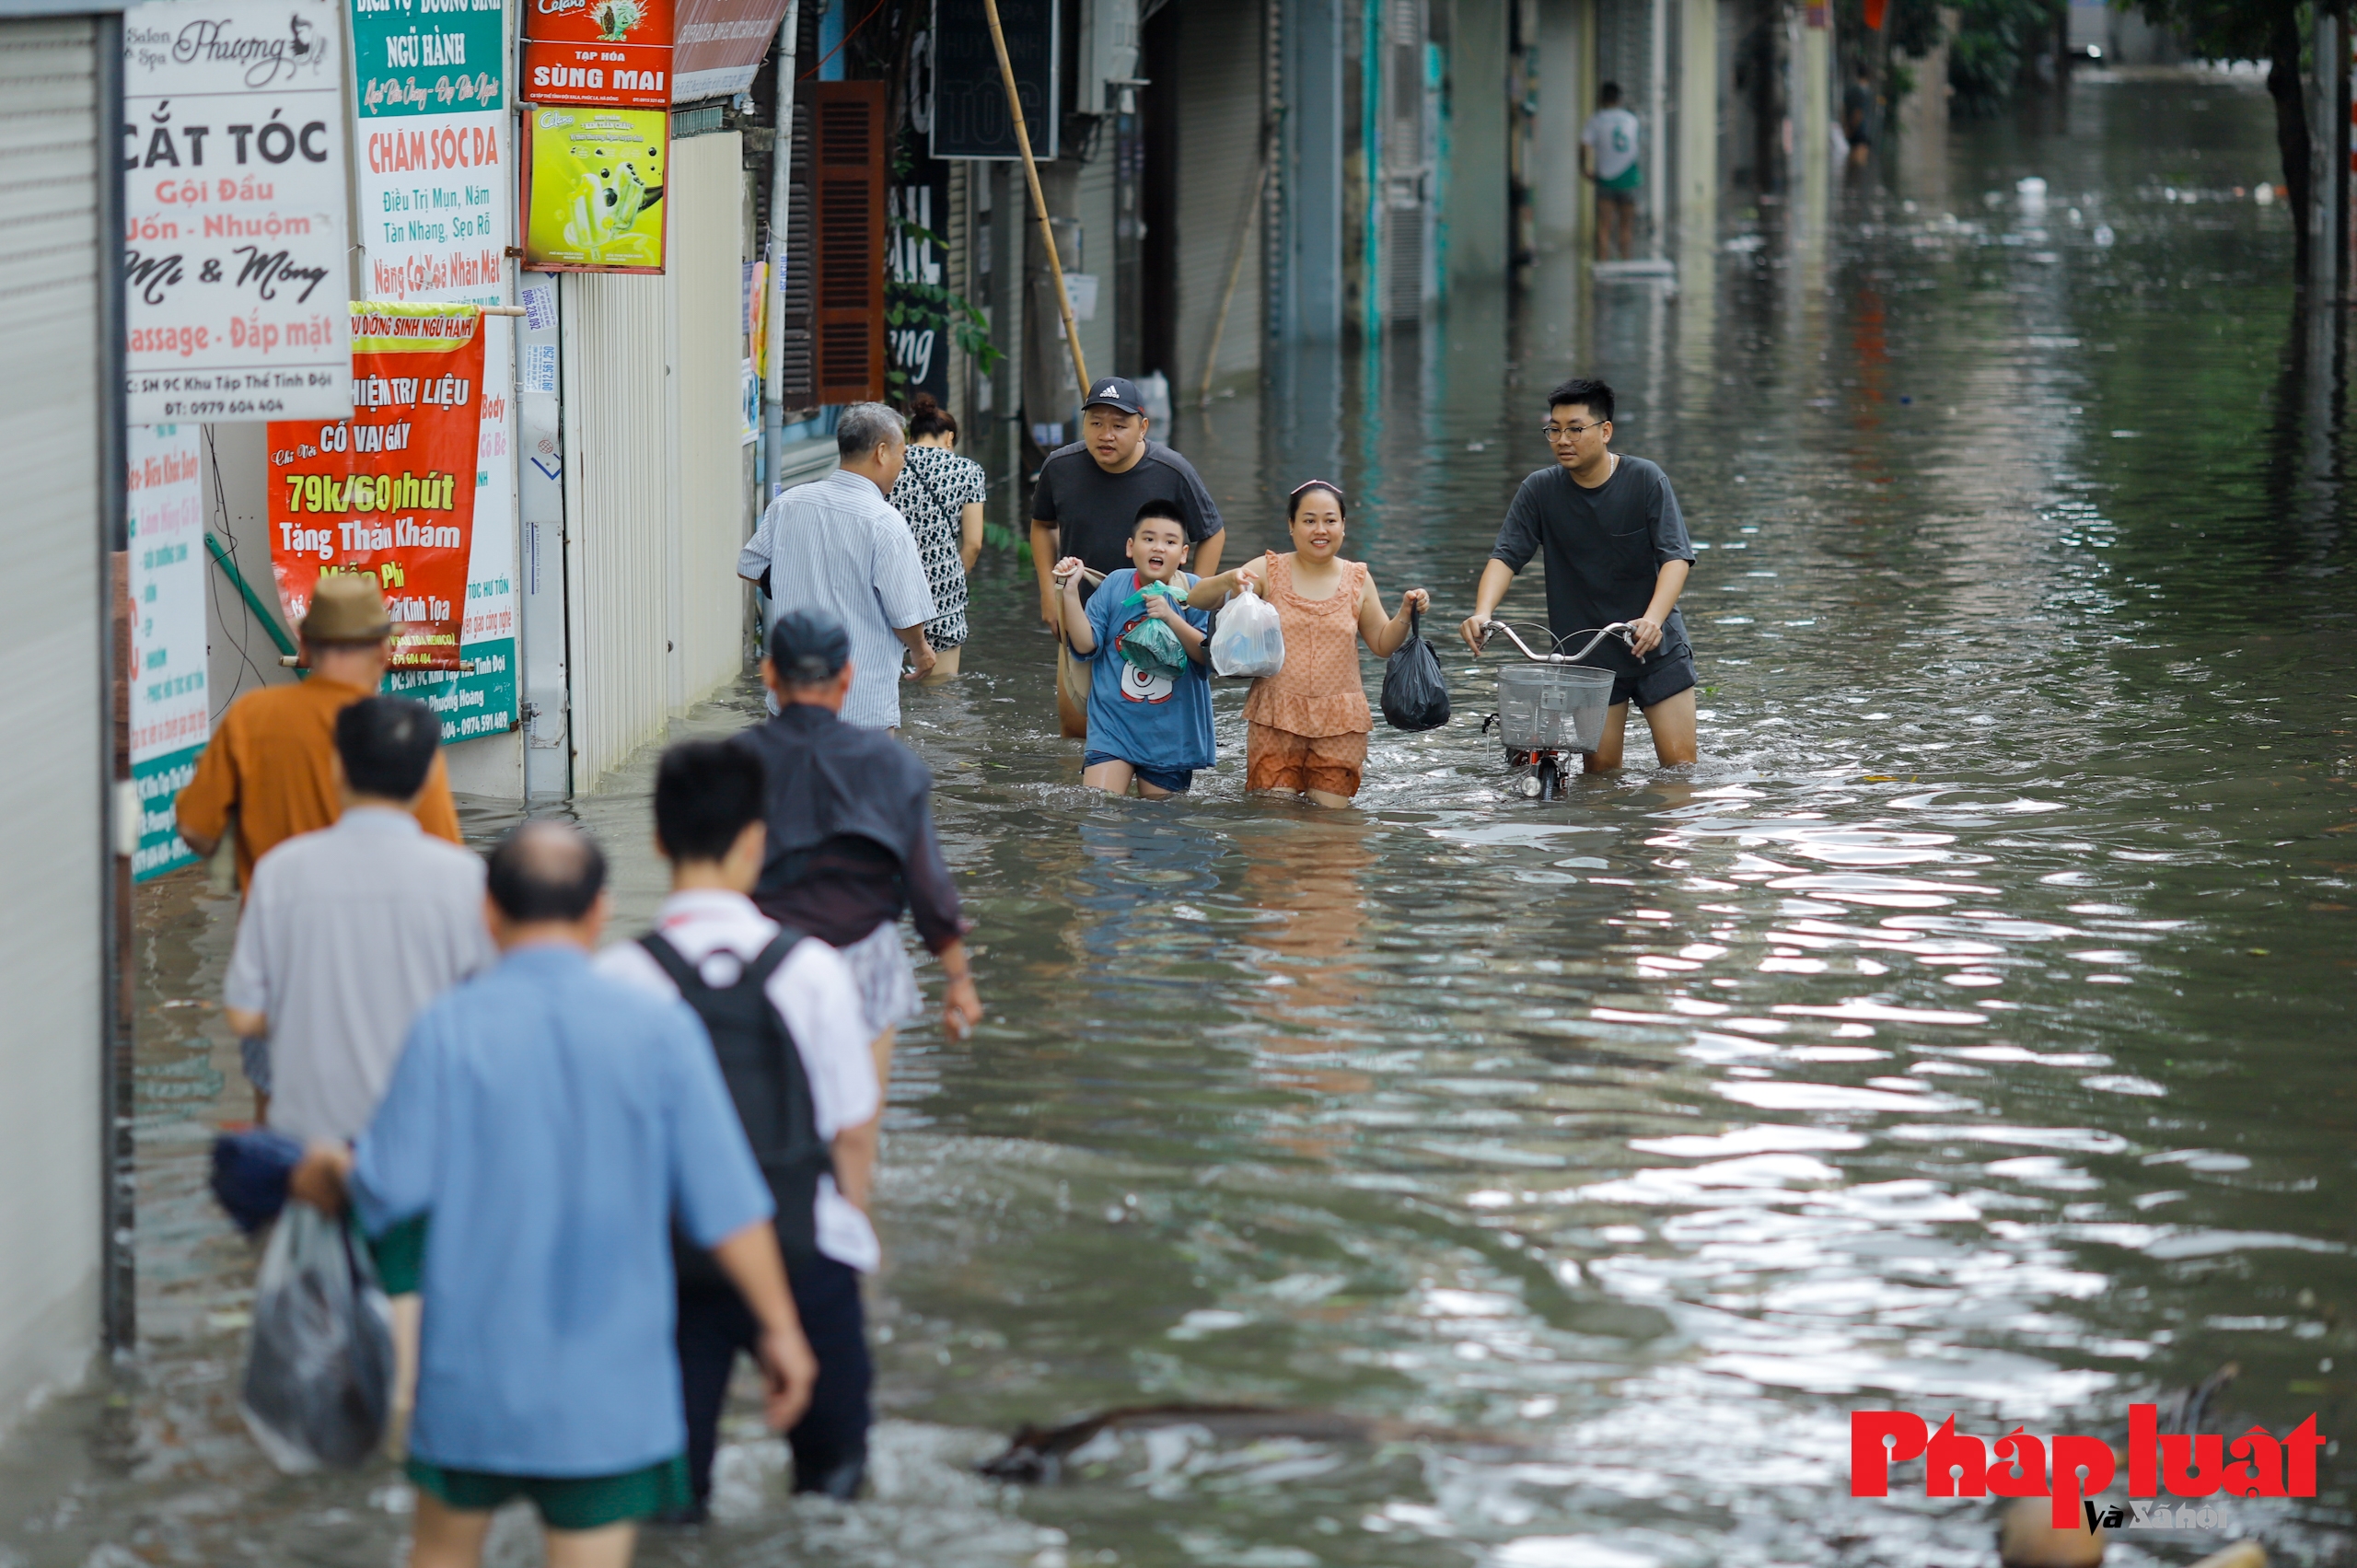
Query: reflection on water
point(1968, 1030)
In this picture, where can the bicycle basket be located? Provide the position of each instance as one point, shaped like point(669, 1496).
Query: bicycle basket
point(1546, 707)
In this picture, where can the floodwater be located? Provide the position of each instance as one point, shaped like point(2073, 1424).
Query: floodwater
point(1968, 1031)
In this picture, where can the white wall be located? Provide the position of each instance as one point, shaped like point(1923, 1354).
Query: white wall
point(655, 501)
point(54, 861)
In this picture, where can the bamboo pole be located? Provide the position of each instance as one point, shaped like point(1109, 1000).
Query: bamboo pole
point(1039, 201)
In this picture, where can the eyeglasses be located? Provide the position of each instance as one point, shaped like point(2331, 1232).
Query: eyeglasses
point(1563, 432)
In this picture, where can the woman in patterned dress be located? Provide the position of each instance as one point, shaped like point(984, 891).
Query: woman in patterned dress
point(1307, 725)
point(940, 493)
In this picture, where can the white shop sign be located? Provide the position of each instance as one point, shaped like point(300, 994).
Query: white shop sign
point(238, 292)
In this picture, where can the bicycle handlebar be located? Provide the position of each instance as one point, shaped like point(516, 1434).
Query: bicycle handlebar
point(1618, 629)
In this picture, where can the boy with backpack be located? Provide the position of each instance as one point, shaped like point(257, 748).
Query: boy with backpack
point(792, 1041)
point(1150, 689)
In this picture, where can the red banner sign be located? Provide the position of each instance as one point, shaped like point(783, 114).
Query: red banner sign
point(389, 493)
point(603, 53)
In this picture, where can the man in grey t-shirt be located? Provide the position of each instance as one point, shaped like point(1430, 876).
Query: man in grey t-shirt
point(1616, 550)
point(1087, 505)
point(349, 931)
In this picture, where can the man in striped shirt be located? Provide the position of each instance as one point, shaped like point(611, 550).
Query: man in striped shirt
point(838, 547)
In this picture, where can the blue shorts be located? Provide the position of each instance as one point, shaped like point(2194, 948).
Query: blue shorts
point(1178, 781)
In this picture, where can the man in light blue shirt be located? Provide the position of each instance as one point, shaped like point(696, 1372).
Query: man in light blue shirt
point(546, 1124)
point(838, 546)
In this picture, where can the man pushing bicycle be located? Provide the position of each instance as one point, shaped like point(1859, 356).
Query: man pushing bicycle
point(1616, 550)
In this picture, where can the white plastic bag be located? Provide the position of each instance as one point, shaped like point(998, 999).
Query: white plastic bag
point(320, 1373)
point(1250, 640)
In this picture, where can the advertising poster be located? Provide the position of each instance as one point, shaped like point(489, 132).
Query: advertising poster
point(388, 493)
point(593, 192)
point(236, 286)
point(604, 53)
point(433, 153)
point(170, 709)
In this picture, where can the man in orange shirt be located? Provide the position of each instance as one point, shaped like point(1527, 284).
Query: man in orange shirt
point(271, 758)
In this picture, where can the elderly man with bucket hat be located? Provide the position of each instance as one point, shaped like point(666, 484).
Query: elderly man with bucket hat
point(269, 773)
point(271, 758)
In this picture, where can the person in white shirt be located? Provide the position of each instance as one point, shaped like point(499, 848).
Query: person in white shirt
point(811, 1114)
point(1608, 156)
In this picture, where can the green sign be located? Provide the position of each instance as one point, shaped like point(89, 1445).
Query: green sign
point(428, 56)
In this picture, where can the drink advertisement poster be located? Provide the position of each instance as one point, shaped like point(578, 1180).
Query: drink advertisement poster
point(593, 191)
point(604, 53)
point(389, 492)
point(236, 283)
point(434, 154)
point(171, 708)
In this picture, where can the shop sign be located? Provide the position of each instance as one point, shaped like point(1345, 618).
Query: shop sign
point(170, 709)
point(389, 492)
point(607, 53)
point(236, 284)
point(969, 117)
point(433, 153)
point(593, 192)
point(719, 46)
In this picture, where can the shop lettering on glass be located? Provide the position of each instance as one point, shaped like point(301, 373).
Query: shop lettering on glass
point(233, 210)
point(389, 492)
point(2190, 1466)
point(916, 331)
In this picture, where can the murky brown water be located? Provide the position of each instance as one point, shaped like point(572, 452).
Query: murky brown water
point(1969, 1030)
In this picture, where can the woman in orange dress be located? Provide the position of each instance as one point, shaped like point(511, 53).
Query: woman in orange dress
point(1308, 723)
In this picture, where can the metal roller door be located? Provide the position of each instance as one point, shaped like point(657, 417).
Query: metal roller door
point(55, 426)
point(1219, 109)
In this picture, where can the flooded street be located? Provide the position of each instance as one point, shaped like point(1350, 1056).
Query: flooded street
point(1969, 1030)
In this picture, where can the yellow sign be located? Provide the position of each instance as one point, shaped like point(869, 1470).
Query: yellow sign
point(593, 198)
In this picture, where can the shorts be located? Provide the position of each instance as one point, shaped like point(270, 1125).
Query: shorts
point(1178, 781)
point(1278, 759)
point(1609, 195)
point(887, 984)
point(566, 1503)
point(1660, 679)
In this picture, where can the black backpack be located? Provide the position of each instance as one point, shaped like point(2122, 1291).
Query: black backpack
point(766, 1079)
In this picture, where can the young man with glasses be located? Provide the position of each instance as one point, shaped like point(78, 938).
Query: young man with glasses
point(1616, 550)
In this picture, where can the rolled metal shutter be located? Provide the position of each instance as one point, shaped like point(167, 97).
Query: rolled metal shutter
point(1218, 102)
point(1405, 162)
point(55, 414)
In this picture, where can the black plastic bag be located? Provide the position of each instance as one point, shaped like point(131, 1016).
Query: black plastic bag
point(320, 1373)
point(1414, 694)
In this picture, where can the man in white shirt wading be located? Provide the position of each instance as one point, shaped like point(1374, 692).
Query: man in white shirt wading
point(791, 1037)
point(839, 546)
point(1608, 155)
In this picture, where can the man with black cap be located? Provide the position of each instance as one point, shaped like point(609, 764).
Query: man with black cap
point(851, 836)
point(1087, 505)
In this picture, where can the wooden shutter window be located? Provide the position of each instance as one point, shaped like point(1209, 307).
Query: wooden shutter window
point(847, 147)
point(798, 370)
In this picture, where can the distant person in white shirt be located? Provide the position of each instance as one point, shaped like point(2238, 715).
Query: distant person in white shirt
point(787, 1024)
point(1608, 156)
point(347, 932)
point(838, 545)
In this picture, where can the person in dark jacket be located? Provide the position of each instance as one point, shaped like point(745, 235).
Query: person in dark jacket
point(851, 836)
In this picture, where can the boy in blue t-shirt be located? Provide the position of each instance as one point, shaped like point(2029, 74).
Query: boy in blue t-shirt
point(1150, 689)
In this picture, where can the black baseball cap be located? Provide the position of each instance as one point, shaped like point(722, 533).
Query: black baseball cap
point(1115, 391)
point(808, 647)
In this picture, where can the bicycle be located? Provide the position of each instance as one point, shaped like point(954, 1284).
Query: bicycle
point(1553, 706)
